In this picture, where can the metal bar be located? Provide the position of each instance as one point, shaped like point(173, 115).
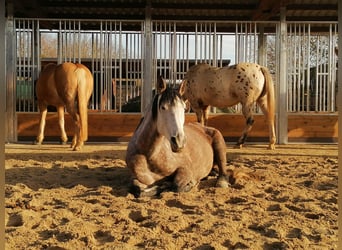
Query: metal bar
point(308, 75)
point(120, 65)
point(316, 75)
point(25, 55)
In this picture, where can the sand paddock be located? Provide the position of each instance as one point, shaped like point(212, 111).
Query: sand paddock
point(59, 199)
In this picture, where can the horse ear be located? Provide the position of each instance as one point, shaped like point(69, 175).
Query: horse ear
point(161, 85)
point(182, 88)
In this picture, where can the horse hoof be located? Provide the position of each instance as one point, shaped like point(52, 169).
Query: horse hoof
point(147, 192)
point(240, 146)
point(271, 147)
point(186, 188)
point(222, 182)
point(37, 143)
point(135, 190)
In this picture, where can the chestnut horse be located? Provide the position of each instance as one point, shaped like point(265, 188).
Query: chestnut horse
point(63, 86)
point(244, 83)
point(163, 153)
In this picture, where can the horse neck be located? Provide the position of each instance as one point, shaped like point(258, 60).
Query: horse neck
point(148, 134)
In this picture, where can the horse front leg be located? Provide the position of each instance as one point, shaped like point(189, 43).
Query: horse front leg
point(199, 115)
point(40, 136)
point(143, 181)
point(205, 113)
point(202, 114)
point(183, 181)
point(60, 112)
point(247, 112)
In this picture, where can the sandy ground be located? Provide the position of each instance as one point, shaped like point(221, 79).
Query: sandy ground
point(59, 199)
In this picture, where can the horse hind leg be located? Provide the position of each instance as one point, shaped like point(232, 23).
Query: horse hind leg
point(262, 102)
point(43, 113)
point(64, 137)
point(77, 142)
point(220, 159)
point(247, 112)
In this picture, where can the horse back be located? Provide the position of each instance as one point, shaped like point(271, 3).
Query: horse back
point(246, 78)
point(207, 85)
point(221, 87)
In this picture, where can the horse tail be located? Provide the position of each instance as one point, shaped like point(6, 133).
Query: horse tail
point(269, 87)
point(84, 90)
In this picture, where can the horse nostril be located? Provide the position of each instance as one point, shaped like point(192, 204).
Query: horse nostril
point(177, 142)
point(174, 140)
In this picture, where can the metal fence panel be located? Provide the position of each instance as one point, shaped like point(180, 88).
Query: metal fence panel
point(114, 52)
point(312, 65)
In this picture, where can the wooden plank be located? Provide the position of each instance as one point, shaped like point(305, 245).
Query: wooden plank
point(109, 125)
point(311, 126)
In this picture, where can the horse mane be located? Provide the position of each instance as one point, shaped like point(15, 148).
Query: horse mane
point(168, 95)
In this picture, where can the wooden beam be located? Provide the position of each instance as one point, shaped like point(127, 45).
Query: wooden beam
point(267, 9)
point(112, 127)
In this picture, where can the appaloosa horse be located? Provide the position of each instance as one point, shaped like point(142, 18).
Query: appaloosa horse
point(164, 152)
point(244, 83)
point(69, 86)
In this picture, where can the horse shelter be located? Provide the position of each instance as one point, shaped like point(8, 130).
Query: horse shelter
point(127, 44)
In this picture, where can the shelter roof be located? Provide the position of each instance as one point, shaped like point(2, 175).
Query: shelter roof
point(235, 10)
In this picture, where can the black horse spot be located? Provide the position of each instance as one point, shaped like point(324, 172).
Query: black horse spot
point(250, 121)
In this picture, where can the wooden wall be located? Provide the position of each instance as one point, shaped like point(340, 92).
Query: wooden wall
point(120, 127)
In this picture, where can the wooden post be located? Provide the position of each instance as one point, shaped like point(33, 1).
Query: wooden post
point(11, 120)
point(339, 98)
point(2, 121)
point(282, 83)
point(262, 46)
point(147, 83)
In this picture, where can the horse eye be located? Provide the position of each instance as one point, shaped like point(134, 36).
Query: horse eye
point(163, 107)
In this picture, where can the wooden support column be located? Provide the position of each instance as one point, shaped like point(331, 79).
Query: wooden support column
point(11, 119)
point(282, 121)
point(147, 83)
point(339, 107)
point(2, 120)
point(262, 46)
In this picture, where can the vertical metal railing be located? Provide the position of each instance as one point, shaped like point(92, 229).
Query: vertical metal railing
point(26, 64)
point(114, 50)
point(311, 67)
point(175, 50)
point(113, 54)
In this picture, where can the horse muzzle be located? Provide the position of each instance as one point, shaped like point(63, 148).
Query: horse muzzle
point(177, 143)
